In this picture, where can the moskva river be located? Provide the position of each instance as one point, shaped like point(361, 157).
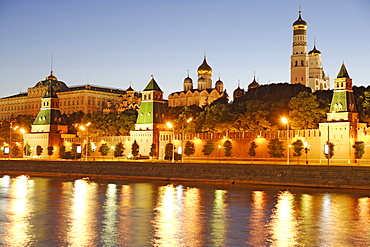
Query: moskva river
point(43, 211)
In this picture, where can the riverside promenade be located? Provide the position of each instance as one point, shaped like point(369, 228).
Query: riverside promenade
point(321, 176)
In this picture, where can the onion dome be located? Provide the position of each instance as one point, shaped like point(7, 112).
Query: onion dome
point(219, 82)
point(238, 92)
point(188, 80)
point(51, 80)
point(300, 21)
point(204, 66)
point(314, 51)
point(253, 84)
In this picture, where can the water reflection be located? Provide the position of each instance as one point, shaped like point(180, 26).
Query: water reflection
point(63, 212)
point(110, 232)
point(284, 224)
point(363, 225)
point(257, 218)
point(18, 228)
point(125, 227)
point(82, 217)
point(219, 219)
point(168, 223)
point(193, 218)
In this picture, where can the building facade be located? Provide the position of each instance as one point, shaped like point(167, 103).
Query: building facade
point(201, 96)
point(88, 99)
point(306, 68)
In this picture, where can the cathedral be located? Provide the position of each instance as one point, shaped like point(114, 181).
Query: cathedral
point(203, 95)
point(306, 68)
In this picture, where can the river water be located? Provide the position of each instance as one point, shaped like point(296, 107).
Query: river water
point(43, 211)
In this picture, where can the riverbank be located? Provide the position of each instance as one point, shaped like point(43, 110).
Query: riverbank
point(350, 177)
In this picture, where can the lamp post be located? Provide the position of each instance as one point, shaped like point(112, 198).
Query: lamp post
point(23, 131)
point(170, 125)
point(182, 138)
point(285, 121)
point(219, 153)
point(306, 149)
point(87, 136)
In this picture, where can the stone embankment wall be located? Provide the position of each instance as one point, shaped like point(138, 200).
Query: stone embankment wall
point(356, 177)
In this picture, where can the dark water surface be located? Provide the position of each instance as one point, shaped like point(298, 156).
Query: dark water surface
point(42, 211)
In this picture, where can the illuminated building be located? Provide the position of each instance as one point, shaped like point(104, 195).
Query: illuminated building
point(343, 127)
point(204, 95)
point(306, 68)
point(151, 118)
point(88, 99)
point(49, 127)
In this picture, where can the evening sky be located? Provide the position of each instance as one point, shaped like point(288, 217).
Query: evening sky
point(114, 43)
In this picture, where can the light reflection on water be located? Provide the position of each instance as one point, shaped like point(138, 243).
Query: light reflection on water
point(67, 212)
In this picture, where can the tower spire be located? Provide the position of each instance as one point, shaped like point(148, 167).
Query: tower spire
point(51, 64)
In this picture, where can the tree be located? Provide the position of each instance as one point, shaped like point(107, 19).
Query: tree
point(330, 151)
point(169, 150)
point(208, 148)
point(252, 150)
point(27, 150)
point(62, 151)
point(228, 146)
point(275, 148)
point(39, 150)
point(15, 150)
point(254, 117)
point(298, 147)
point(118, 150)
point(104, 149)
point(359, 150)
point(135, 149)
point(305, 111)
point(189, 149)
point(89, 149)
point(153, 150)
point(50, 150)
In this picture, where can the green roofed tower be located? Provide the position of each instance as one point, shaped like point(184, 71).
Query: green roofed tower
point(150, 121)
point(343, 107)
point(49, 118)
point(151, 114)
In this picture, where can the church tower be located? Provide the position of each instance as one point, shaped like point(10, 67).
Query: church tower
point(317, 78)
point(151, 118)
point(299, 58)
point(204, 75)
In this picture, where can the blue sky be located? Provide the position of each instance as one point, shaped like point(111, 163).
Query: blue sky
point(112, 43)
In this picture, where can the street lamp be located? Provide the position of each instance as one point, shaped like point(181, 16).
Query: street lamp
point(306, 149)
point(23, 131)
point(170, 125)
point(182, 138)
point(112, 147)
point(219, 153)
point(87, 136)
point(285, 121)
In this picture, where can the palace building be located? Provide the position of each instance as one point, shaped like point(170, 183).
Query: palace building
point(306, 68)
point(203, 95)
point(88, 99)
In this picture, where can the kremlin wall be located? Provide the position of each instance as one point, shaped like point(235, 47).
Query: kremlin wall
point(55, 97)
